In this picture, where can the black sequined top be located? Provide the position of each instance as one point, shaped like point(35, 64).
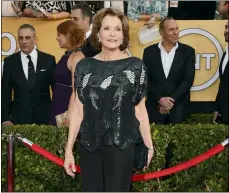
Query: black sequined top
point(109, 91)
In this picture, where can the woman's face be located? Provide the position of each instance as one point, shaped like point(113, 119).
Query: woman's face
point(111, 32)
point(62, 40)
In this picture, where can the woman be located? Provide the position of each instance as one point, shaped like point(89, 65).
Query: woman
point(147, 10)
point(50, 10)
point(70, 37)
point(109, 112)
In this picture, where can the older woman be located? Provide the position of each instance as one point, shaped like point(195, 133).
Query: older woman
point(109, 112)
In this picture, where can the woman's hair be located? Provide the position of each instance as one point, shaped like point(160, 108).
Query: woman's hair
point(74, 35)
point(97, 22)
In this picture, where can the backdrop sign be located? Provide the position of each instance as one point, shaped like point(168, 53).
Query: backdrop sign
point(205, 36)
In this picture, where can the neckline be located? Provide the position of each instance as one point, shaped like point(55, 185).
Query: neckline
point(118, 60)
point(69, 52)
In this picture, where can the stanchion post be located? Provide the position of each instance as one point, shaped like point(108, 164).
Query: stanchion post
point(10, 162)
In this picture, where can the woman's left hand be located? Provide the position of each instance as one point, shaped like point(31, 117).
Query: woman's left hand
point(150, 156)
point(48, 15)
point(152, 20)
point(65, 122)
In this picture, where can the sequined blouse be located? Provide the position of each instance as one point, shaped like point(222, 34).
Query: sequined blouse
point(109, 92)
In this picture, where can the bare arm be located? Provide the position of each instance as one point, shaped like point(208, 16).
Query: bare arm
point(142, 116)
point(72, 62)
point(60, 15)
point(76, 118)
point(28, 12)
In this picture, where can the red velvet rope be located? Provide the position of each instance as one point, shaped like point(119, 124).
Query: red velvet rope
point(185, 165)
point(139, 177)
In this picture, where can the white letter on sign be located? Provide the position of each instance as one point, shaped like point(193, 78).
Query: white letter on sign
point(13, 44)
point(208, 60)
point(197, 65)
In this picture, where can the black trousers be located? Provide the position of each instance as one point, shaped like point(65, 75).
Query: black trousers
point(169, 149)
point(107, 169)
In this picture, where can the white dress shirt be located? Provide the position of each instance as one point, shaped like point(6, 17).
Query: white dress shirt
point(167, 58)
point(89, 32)
point(225, 60)
point(25, 61)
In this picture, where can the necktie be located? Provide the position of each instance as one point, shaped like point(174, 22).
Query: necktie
point(31, 72)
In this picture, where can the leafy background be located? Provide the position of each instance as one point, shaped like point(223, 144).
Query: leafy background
point(195, 136)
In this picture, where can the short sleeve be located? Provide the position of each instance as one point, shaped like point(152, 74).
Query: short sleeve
point(140, 89)
point(78, 82)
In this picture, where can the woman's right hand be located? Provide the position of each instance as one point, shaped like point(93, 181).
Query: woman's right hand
point(39, 14)
point(69, 164)
point(65, 123)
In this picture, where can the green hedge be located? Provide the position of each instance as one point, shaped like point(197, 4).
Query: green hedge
point(35, 173)
point(199, 118)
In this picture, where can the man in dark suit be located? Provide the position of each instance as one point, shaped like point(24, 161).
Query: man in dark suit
point(221, 111)
point(82, 15)
point(29, 74)
point(171, 70)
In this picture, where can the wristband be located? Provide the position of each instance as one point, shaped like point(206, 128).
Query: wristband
point(68, 152)
point(150, 148)
point(54, 16)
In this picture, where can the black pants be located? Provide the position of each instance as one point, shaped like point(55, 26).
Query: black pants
point(169, 149)
point(107, 169)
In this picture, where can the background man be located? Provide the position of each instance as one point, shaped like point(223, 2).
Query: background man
point(29, 73)
point(221, 111)
point(82, 15)
point(171, 70)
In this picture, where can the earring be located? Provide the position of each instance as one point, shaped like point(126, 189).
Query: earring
point(98, 38)
point(122, 41)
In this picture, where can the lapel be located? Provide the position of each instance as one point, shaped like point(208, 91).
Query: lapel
point(39, 62)
point(160, 66)
point(176, 62)
point(20, 69)
point(39, 67)
point(221, 64)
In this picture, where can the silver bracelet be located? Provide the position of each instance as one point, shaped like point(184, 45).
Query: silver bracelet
point(150, 148)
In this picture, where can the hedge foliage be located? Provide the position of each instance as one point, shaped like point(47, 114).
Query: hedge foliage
point(35, 173)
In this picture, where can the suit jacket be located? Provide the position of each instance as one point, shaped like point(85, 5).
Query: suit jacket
point(88, 50)
point(177, 85)
point(193, 10)
point(222, 95)
point(29, 105)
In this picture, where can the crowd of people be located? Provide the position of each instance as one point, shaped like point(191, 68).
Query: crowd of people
point(135, 9)
point(110, 97)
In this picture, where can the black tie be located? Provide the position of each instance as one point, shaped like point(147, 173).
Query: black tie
point(31, 72)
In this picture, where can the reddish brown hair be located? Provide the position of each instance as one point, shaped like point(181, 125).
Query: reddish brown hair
point(73, 33)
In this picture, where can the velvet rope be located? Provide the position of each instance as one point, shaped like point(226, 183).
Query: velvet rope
point(139, 177)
